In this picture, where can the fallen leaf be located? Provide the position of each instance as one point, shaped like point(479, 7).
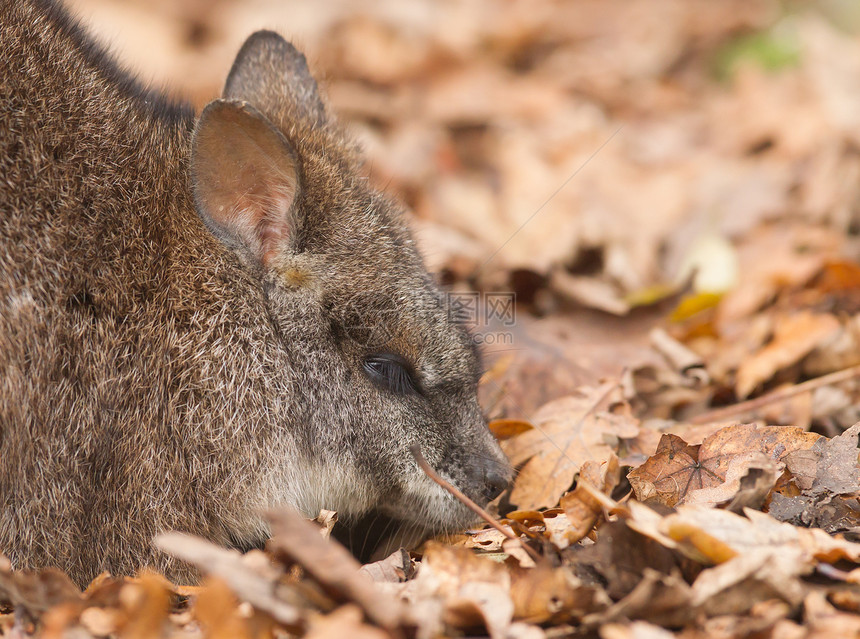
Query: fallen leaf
point(824, 621)
point(216, 609)
point(35, 591)
point(474, 591)
point(677, 469)
point(581, 508)
point(794, 337)
point(659, 598)
point(248, 584)
point(568, 432)
point(395, 568)
point(146, 603)
point(346, 621)
point(829, 467)
point(553, 595)
point(735, 586)
point(331, 565)
point(674, 470)
point(506, 428)
point(749, 480)
point(100, 622)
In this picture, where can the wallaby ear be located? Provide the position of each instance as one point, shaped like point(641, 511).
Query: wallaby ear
point(245, 178)
point(269, 72)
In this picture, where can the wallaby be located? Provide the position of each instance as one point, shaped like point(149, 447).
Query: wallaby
point(202, 318)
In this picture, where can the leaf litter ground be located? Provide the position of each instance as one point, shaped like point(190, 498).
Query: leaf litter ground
point(679, 391)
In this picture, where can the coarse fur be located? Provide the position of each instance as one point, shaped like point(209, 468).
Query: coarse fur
point(164, 368)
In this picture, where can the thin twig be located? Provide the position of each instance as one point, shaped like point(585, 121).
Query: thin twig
point(415, 449)
point(777, 396)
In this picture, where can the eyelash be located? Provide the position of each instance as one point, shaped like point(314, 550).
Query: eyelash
point(392, 373)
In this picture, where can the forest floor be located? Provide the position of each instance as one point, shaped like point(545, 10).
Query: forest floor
point(650, 213)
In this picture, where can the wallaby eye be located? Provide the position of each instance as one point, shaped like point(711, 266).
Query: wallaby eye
point(391, 372)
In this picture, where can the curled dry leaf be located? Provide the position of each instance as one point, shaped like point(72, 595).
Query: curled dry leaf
point(395, 568)
point(658, 598)
point(734, 587)
point(581, 508)
point(545, 594)
point(326, 519)
point(795, 336)
point(146, 602)
point(331, 565)
point(35, 591)
point(248, 584)
point(718, 535)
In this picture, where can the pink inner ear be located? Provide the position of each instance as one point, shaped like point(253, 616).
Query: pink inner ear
point(245, 177)
point(273, 228)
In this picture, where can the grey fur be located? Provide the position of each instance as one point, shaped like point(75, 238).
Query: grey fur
point(156, 377)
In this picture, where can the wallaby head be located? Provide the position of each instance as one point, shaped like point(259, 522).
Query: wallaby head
point(382, 365)
point(201, 319)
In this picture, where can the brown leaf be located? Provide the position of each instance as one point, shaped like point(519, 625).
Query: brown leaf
point(474, 591)
point(734, 587)
point(100, 622)
point(824, 621)
point(671, 475)
point(749, 480)
point(581, 508)
point(395, 568)
point(216, 608)
point(659, 598)
point(829, 467)
point(331, 565)
point(622, 555)
point(544, 594)
point(35, 590)
point(248, 584)
point(506, 428)
point(326, 519)
point(568, 432)
point(346, 621)
point(146, 603)
point(776, 442)
point(668, 475)
point(714, 535)
point(794, 337)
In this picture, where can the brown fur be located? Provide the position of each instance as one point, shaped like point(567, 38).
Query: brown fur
point(160, 373)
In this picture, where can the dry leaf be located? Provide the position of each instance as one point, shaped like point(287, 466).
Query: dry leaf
point(677, 469)
point(146, 603)
point(248, 584)
point(346, 621)
point(331, 565)
point(216, 608)
point(395, 568)
point(829, 467)
point(474, 591)
point(794, 337)
point(568, 432)
point(581, 508)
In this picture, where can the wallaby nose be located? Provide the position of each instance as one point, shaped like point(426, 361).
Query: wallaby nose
point(495, 483)
point(488, 477)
